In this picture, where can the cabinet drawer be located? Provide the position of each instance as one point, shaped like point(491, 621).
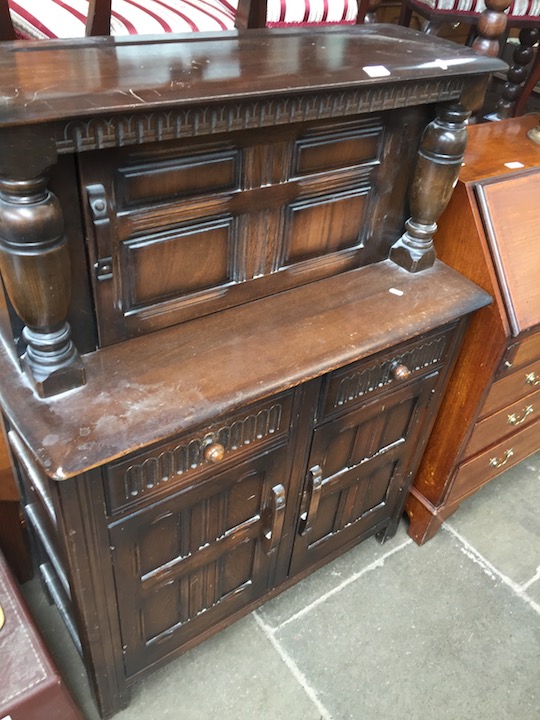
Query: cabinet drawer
point(478, 471)
point(168, 466)
point(525, 352)
point(511, 388)
point(349, 386)
point(503, 423)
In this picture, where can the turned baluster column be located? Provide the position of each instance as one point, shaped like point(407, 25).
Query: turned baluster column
point(34, 261)
point(522, 57)
point(490, 27)
point(437, 168)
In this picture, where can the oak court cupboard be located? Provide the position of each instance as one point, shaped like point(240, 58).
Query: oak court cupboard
point(223, 346)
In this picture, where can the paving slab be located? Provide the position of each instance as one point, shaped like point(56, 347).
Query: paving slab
point(430, 634)
point(329, 577)
point(503, 523)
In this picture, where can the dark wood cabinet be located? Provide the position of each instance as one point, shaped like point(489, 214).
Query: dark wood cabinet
point(242, 383)
point(489, 419)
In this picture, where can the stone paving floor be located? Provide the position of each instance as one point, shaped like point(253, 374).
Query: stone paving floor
point(448, 631)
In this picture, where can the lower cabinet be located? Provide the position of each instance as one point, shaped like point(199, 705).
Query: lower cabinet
point(154, 552)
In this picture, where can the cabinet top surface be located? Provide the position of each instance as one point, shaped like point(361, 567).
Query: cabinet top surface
point(190, 374)
point(50, 80)
point(499, 149)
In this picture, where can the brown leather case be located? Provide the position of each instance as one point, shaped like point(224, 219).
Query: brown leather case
point(30, 686)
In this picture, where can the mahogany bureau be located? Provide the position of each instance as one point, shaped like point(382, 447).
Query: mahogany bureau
point(490, 416)
point(255, 348)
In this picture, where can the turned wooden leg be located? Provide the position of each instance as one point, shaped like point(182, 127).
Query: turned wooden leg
point(491, 26)
point(437, 167)
point(34, 261)
point(517, 74)
point(532, 79)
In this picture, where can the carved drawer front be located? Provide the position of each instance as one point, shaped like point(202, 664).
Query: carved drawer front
point(145, 476)
point(498, 458)
point(188, 562)
point(524, 353)
point(359, 465)
point(361, 381)
point(518, 384)
point(503, 423)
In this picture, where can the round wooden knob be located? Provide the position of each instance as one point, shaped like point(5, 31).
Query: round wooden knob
point(400, 372)
point(214, 452)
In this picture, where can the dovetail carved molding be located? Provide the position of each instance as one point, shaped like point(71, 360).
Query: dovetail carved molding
point(377, 376)
point(158, 125)
point(183, 458)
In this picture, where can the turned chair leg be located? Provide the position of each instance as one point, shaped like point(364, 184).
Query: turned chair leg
point(532, 79)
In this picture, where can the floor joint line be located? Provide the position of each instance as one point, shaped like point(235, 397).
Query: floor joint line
point(293, 667)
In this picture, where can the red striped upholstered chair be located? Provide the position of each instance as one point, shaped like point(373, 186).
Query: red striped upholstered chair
point(490, 21)
point(42, 19)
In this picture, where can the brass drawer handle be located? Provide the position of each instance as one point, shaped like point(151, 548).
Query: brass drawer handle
point(495, 462)
point(532, 379)
point(516, 419)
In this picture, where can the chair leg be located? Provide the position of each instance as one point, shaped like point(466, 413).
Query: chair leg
point(491, 26)
point(513, 94)
point(433, 26)
point(530, 84)
point(405, 14)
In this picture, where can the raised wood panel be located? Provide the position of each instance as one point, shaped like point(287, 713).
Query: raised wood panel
point(509, 208)
point(179, 177)
point(348, 145)
point(318, 227)
point(196, 557)
point(178, 263)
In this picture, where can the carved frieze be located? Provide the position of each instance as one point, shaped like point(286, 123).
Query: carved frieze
point(188, 456)
point(376, 376)
point(158, 125)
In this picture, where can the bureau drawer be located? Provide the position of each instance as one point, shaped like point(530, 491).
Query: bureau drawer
point(511, 388)
point(353, 384)
point(152, 473)
point(525, 352)
point(479, 470)
point(503, 423)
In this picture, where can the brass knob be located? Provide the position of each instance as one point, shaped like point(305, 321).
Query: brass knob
point(214, 452)
point(400, 372)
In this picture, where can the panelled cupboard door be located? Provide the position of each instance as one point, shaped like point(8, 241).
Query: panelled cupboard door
point(187, 562)
point(357, 468)
point(187, 228)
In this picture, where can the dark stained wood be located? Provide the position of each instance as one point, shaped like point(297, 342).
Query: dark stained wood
point(491, 391)
point(169, 70)
point(86, 431)
point(261, 378)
